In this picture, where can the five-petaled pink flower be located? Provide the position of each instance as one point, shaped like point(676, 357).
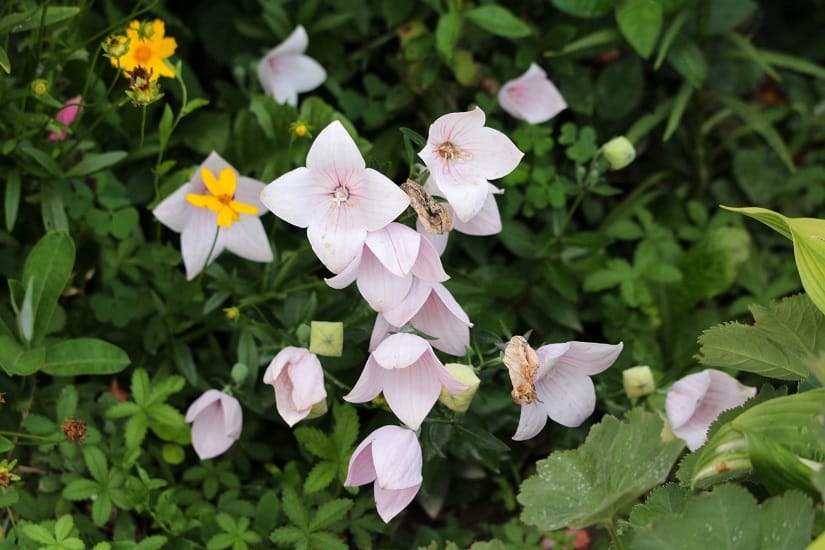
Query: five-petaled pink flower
point(696, 400)
point(216, 201)
point(65, 116)
point(462, 154)
point(216, 420)
point(336, 198)
point(407, 370)
point(531, 97)
point(388, 262)
point(391, 457)
point(297, 377)
point(285, 71)
point(562, 387)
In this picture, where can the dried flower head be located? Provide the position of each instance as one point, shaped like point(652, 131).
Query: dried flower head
point(432, 214)
point(74, 429)
point(522, 364)
point(115, 46)
point(143, 90)
point(7, 477)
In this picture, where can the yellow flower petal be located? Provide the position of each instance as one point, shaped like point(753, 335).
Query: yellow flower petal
point(242, 207)
point(204, 201)
point(226, 216)
point(211, 183)
point(227, 182)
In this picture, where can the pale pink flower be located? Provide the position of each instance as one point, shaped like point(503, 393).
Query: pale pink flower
point(462, 154)
point(563, 389)
point(336, 198)
point(486, 221)
point(216, 420)
point(198, 225)
point(387, 263)
point(431, 309)
point(531, 97)
point(695, 401)
point(285, 71)
point(405, 368)
point(297, 377)
point(65, 116)
point(391, 457)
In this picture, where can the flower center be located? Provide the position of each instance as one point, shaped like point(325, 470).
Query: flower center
point(449, 151)
point(143, 54)
point(340, 195)
point(220, 197)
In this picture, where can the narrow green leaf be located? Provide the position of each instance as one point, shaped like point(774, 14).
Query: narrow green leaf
point(447, 33)
point(747, 50)
point(95, 162)
point(320, 476)
point(63, 527)
point(96, 462)
point(768, 217)
point(592, 40)
point(44, 160)
point(289, 535)
point(678, 109)
point(295, 509)
point(165, 125)
point(49, 266)
point(757, 122)
point(4, 61)
point(193, 105)
point(316, 442)
point(792, 63)
point(498, 20)
point(52, 209)
point(28, 20)
point(25, 317)
point(588, 9)
point(84, 356)
point(12, 201)
point(135, 430)
point(669, 36)
point(688, 60)
point(140, 386)
point(102, 509)
point(640, 22)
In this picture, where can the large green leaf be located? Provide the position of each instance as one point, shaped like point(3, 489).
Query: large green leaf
point(16, 360)
point(617, 463)
point(640, 22)
point(585, 8)
point(498, 20)
point(84, 356)
point(28, 20)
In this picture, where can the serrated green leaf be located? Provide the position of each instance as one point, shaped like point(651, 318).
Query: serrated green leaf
point(140, 386)
point(96, 462)
point(163, 388)
point(63, 527)
point(316, 442)
point(288, 535)
point(330, 512)
point(121, 410)
point(345, 431)
point(666, 501)
point(320, 476)
point(498, 20)
point(327, 541)
point(135, 429)
point(80, 489)
point(67, 402)
point(786, 522)
point(38, 533)
point(293, 507)
point(640, 22)
point(84, 356)
point(101, 509)
point(220, 541)
point(618, 462)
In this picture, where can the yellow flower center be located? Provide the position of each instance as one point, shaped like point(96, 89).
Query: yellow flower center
point(143, 53)
point(221, 197)
point(301, 130)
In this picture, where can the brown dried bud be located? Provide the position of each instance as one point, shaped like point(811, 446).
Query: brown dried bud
point(522, 364)
point(431, 213)
point(143, 90)
point(74, 429)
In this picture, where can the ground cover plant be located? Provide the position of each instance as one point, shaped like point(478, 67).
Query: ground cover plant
point(426, 274)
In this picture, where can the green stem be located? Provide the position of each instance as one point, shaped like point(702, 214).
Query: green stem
point(142, 133)
point(614, 535)
point(576, 203)
point(211, 250)
point(19, 435)
point(337, 382)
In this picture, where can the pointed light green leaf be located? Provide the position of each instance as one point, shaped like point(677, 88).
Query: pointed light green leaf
point(585, 8)
point(84, 356)
point(640, 22)
point(38, 533)
point(49, 266)
point(4, 61)
point(618, 462)
point(63, 527)
point(31, 19)
point(95, 162)
point(498, 20)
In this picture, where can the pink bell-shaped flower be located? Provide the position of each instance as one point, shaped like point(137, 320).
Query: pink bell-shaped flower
point(285, 71)
point(297, 377)
point(65, 116)
point(217, 420)
point(531, 97)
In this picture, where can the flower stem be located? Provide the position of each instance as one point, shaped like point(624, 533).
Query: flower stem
point(211, 250)
point(142, 133)
point(614, 535)
point(19, 435)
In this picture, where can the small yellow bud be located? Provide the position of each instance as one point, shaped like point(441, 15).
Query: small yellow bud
point(232, 313)
point(638, 381)
point(115, 46)
point(318, 409)
point(39, 87)
point(467, 376)
point(619, 152)
point(326, 338)
point(300, 129)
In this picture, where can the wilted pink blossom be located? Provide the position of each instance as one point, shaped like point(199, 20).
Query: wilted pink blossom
point(405, 368)
point(198, 226)
point(562, 386)
point(431, 309)
point(531, 97)
point(65, 116)
point(486, 221)
point(695, 401)
point(391, 457)
point(216, 420)
point(462, 154)
point(285, 71)
point(387, 263)
point(336, 198)
point(297, 377)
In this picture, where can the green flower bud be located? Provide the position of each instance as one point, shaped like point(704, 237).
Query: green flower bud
point(318, 409)
point(239, 373)
point(326, 338)
point(173, 454)
point(467, 376)
point(638, 381)
point(39, 87)
point(619, 152)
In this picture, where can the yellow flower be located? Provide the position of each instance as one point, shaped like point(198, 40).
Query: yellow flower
point(149, 48)
point(221, 197)
point(39, 86)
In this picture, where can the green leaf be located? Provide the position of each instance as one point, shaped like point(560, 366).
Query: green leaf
point(84, 356)
point(786, 522)
point(80, 489)
point(18, 361)
point(289, 535)
point(678, 109)
point(640, 22)
point(747, 50)
point(49, 266)
point(4, 61)
point(777, 467)
point(96, 462)
point(328, 541)
point(688, 60)
point(122, 410)
point(447, 34)
point(294, 508)
point(757, 122)
point(41, 158)
point(316, 442)
point(345, 431)
point(618, 462)
point(135, 429)
point(38, 533)
point(792, 63)
point(67, 402)
point(63, 527)
point(12, 201)
point(193, 105)
point(498, 20)
point(25, 317)
point(320, 476)
point(102, 509)
point(330, 512)
point(589, 9)
point(669, 36)
point(667, 501)
point(28, 20)
point(140, 386)
point(95, 162)
point(165, 126)
point(5, 444)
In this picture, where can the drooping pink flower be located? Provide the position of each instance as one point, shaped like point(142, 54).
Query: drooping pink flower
point(391, 457)
point(431, 309)
point(336, 198)
point(531, 97)
point(297, 377)
point(216, 420)
point(285, 71)
point(561, 387)
point(65, 116)
point(199, 223)
point(486, 221)
point(695, 401)
point(405, 368)
point(389, 260)
point(462, 155)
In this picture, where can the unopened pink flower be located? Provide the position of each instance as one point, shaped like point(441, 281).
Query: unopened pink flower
point(531, 97)
point(285, 71)
point(297, 377)
point(198, 225)
point(695, 401)
point(431, 309)
point(563, 389)
point(216, 420)
point(391, 457)
point(336, 197)
point(65, 116)
point(462, 155)
point(405, 368)
point(387, 263)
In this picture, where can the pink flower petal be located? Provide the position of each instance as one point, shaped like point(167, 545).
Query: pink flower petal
point(247, 239)
point(590, 358)
point(348, 275)
point(685, 397)
point(400, 351)
point(531, 97)
point(196, 241)
point(377, 199)
point(337, 241)
point(232, 416)
point(380, 330)
point(249, 191)
point(396, 455)
point(369, 384)
point(569, 398)
point(439, 242)
point(411, 393)
point(335, 155)
point(296, 42)
point(302, 72)
point(389, 503)
point(174, 210)
point(297, 197)
point(381, 289)
point(486, 222)
point(200, 404)
point(435, 319)
point(208, 437)
point(532, 421)
point(307, 377)
point(396, 246)
point(428, 265)
point(401, 314)
point(361, 470)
